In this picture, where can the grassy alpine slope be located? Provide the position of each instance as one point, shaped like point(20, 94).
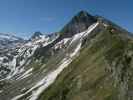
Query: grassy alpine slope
point(102, 71)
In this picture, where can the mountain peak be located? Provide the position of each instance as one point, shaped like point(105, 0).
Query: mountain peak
point(36, 35)
point(80, 22)
point(83, 13)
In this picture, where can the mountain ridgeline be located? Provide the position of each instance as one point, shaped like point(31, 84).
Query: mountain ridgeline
point(90, 58)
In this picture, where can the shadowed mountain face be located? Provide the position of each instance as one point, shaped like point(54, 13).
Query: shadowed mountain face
point(78, 23)
point(91, 58)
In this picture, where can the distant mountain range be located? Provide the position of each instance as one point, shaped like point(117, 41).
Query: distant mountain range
point(8, 40)
point(90, 58)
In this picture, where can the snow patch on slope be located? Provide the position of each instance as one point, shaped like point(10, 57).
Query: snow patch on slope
point(85, 33)
point(26, 74)
point(61, 44)
point(91, 28)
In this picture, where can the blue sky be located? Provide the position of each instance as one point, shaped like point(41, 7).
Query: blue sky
point(24, 17)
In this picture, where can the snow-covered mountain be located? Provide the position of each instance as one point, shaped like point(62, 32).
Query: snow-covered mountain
point(13, 57)
point(9, 37)
point(8, 46)
point(78, 62)
point(9, 40)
